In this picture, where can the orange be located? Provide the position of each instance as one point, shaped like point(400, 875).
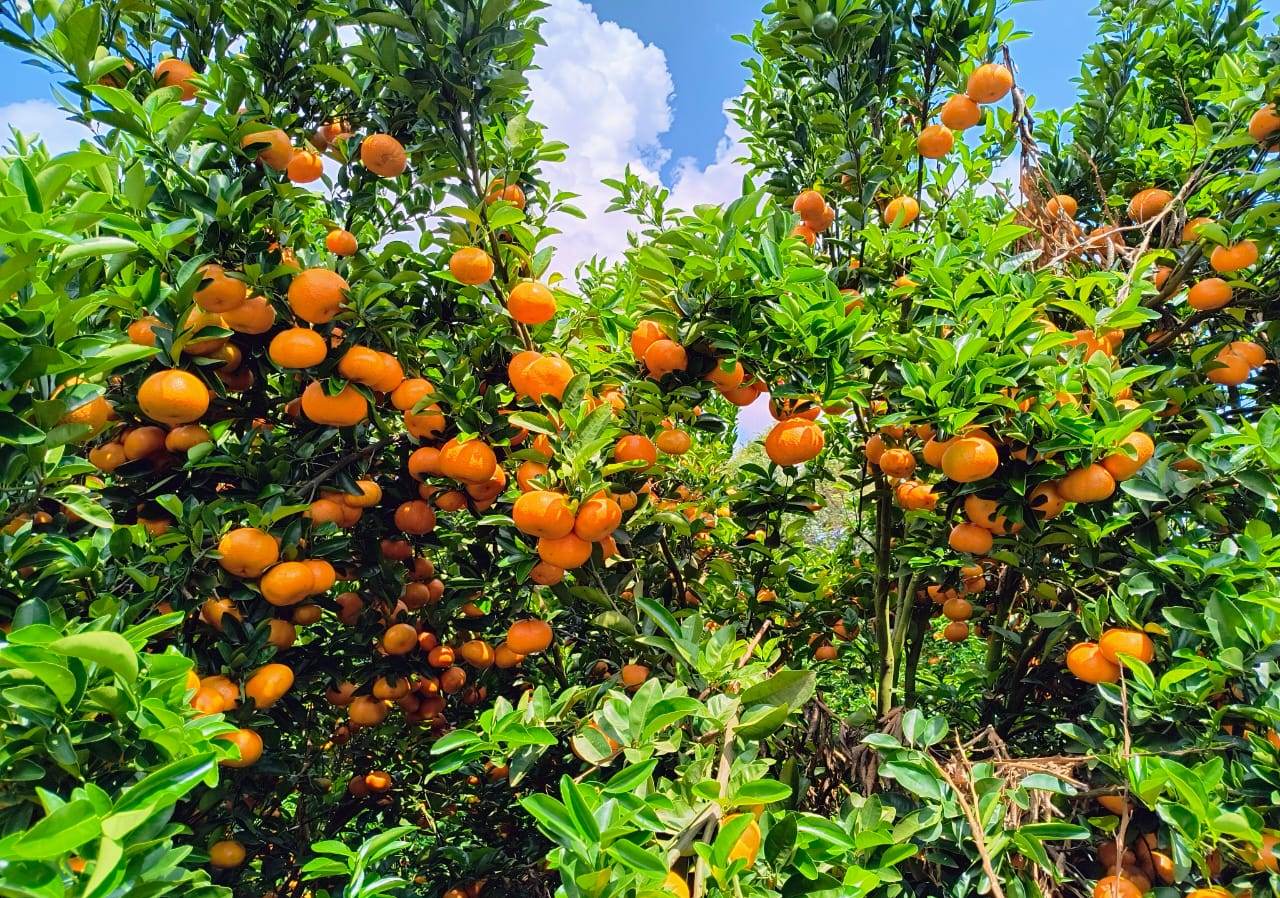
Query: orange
point(426, 424)
point(540, 375)
point(543, 513)
point(983, 512)
point(747, 848)
point(410, 392)
point(1062, 204)
point(198, 320)
point(143, 442)
point(423, 462)
point(173, 397)
point(249, 744)
point(255, 315)
point(377, 780)
point(1087, 662)
point(399, 639)
point(268, 684)
point(989, 83)
point(726, 379)
point(361, 364)
point(1045, 501)
point(142, 332)
point(287, 583)
point(1191, 230)
point(346, 409)
point(545, 574)
point(477, 653)
point(370, 494)
point(960, 112)
point(340, 695)
point(341, 242)
point(897, 462)
point(177, 73)
point(322, 573)
point(635, 447)
point(809, 205)
point(935, 141)
point(633, 675)
point(415, 517)
point(366, 711)
point(1226, 259)
point(901, 211)
point(568, 551)
point(1230, 369)
point(383, 155)
point(452, 680)
point(1253, 354)
point(794, 441)
point(933, 451)
point(674, 442)
point(1116, 642)
point(316, 294)
point(214, 610)
point(511, 193)
point(272, 146)
point(472, 461)
point(281, 633)
point(956, 631)
point(825, 653)
point(1147, 204)
point(1092, 483)
point(597, 518)
point(247, 552)
point(217, 291)
point(1264, 125)
point(304, 167)
point(226, 853)
point(957, 608)
point(971, 538)
point(526, 473)
point(297, 347)
point(531, 303)
point(1265, 860)
point(1120, 465)
point(676, 885)
point(1116, 887)
point(471, 265)
point(107, 457)
point(645, 335)
point(1209, 294)
point(970, 459)
point(664, 357)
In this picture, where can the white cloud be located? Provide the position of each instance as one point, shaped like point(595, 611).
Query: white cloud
point(40, 118)
point(607, 94)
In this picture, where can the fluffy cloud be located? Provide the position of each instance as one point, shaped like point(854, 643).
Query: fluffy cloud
point(40, 118)
point(607, 94)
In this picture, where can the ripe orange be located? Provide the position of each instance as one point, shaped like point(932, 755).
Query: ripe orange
point(635, 447)
point(901, 211)
point(426, 424)
point(178, 73)
point(633, 675)
point(1116, 642)
point(1120, 465)
point(249, 744)
point(415, 517)
point(500, 190)
point(226, 853)
point(569, 551)
point(674, 442)
point(663, 357)
point(213, 610)
point(1087, 662)
point(1264, 125)
point(272, 146)
point(323, 574)
point(983, 512)
point(545, 574)
point(369, 494)
point(676, 885)
point(297, 347)
point(957, 630)
point(1147, 204)
point(809, 205)
point(646, 333)
point(1091, 483)
point(969, 459)
point(341, 242)
point(399, 639)
point(1209, 294)
point(935, 141)
point(142, 442)
point(597, 518)
point(471, 265)
point(269, 684)
point(1231, 369)
point(107, 457)
point(316, 295)
point(1116, 887)
point(543, 513)
point(255, 315)
point(424, 462)
point(1226, 259)
point(346, 409)
point(287, 583)
point(477, 653)
point(304, 167)
point(218, 292)
point(1045, 501)
point(534, 375)
point(971, 538)
point(1265, 859)
point(367, 711)
point(1062, 204)
point(142, 332)
point(989, 83)
point(383, 155)
point(960, 112)
point(531, 303)
point(410, 392)
point(726, 380)
point(472, 461)
point(897, 462)
point(747, 848)
point(794, 442)
point(956, 608)
point(247, 552)
point(173, 397)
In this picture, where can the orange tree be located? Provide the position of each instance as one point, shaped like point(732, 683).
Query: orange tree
point(456, 567)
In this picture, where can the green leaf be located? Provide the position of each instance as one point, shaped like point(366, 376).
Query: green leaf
point(61, 832)
point(765, 791)
point(96, 246)
point(110, 650)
